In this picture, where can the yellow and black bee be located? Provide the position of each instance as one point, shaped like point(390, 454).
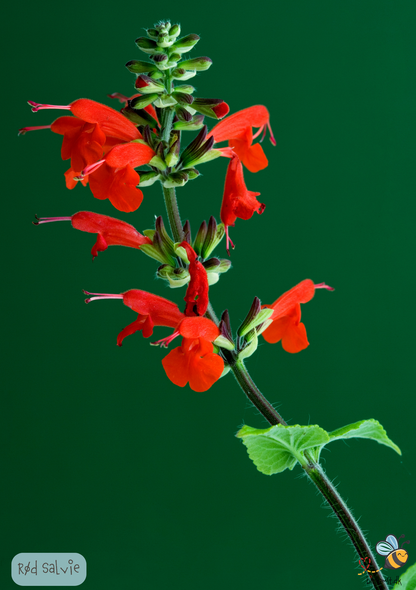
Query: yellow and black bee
point(396, 557)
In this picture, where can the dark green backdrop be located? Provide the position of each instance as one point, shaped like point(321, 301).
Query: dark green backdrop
point(102, 455)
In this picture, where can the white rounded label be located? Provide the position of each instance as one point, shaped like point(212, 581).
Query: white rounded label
point(49, 569)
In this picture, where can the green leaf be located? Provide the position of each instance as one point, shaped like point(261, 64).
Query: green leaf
point(408, 579)
point(364, 429)
point(280, 447)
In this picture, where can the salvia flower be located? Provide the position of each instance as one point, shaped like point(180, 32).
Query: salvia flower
point(111, 232)
point(114, 177)
point(152, 311)
point(196, 297)
point(238, 201)
point(195, 362)
point(237, 129)
point(286, 325)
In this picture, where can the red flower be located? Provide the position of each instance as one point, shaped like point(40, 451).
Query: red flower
point(111, 232)
point(286, 325)
point(152, 309)
point(194, 361)
point(114, 177)
point(237, 129)
point(237, 200)
point(197, 292)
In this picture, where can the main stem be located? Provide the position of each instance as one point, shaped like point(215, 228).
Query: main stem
point(312, 469)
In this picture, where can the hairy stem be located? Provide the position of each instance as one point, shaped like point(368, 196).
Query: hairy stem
point(312, 469)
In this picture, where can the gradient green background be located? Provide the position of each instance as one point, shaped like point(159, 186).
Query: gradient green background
point(102, 455)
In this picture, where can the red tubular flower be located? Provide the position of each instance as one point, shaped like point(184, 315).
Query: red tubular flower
point(237, 129)
point(237, 200)
point(111, 232)
point(194, 361)
point(197, 292)
point(286, 325)
point(152, 311)
point(114, 177)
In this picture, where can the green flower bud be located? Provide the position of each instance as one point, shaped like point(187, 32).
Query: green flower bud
point(182, 74)
point(139, 117)
point(142, 101)
point(223, 342)
point(147, 178)
point(153, 33)
point(180, 252)
point(175, 57)
point(147, 45)
point(261, 327)
point(147, 85)
point(158, 163)
point(183, 114)
point(200, 64)
point(175, 31)
point(192, 173)
point(163, 26)
point(182, 98)
point(213, 237)
point(165, 100)
point(186, 43)
point(200, 238)
point(154, 251)
point(175, 179)
point(224, 265)
point(250, 348)
point(161, 60)
point(196, 150)
point(157, 75)
point(165, 240)
point(172, 156)
point(178, 278)
point(140, 67)
point(255, 317)
point(164, 40)
point(193, 125)
point(185, 88)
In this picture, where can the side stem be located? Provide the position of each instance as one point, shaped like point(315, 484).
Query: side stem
point(312, 469)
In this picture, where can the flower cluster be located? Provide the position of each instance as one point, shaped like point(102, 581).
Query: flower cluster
point(107, 149)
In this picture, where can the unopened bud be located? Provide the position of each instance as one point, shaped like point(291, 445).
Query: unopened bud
point(187, 232)
point(147, 45)
point(165, 100)
point(200, 64)
point(255, 317)
point(176, 179)
point(183, 114)
point(186, 43)
point(182, 74)
point(175, 31)
point(140, 67)
point(194, 124)
point(142, 101)
point(251, 347)
point(215, 108)
point(139, 117)
point(192, 173)
point(147, 178)
point(172, 156)
point(147, 85)
point(182, 98)
point(164, 40)
point(200, 238)
point(163, 26)
point(160, 59)
point(158, 162)
point(178, 278)
point(166, 240)
point(156, 75)
point(186, 88)
point(214, 235)
point(153, 33)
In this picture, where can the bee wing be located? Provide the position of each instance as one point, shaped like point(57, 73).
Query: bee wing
point(393, 541)
point(384, 548)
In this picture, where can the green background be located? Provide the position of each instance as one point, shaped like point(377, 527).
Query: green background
point(102, 455)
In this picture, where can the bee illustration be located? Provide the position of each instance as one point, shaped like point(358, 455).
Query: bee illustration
point(390, 547)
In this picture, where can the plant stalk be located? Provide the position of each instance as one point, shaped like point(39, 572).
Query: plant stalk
point(312, 469)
